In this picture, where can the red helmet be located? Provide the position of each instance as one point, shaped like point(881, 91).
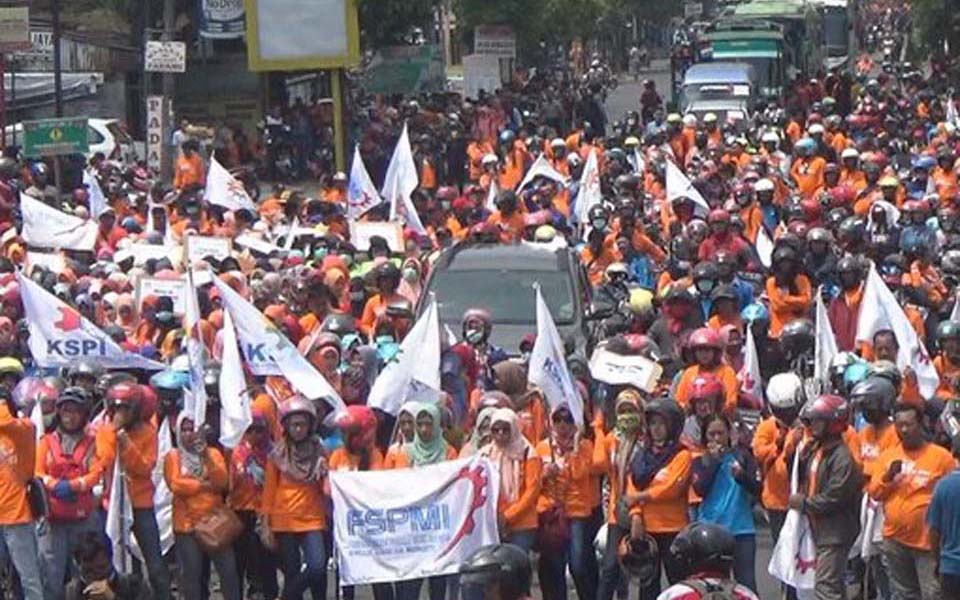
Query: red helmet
point(148, 404)
point(705, 337)
point(842, 195)
point(126, 394)
point(830, 408)
point(706, 386)
point(718, 215)
point(358, 419)
point(812, 210)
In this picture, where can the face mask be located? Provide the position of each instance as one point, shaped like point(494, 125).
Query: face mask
point(628, 422)
point(320, 253)
point(410, 274)
point(474, 336)
point(599, 224)
point(705, 285)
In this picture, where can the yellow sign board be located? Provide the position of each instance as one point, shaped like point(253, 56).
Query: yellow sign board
point(293, 35)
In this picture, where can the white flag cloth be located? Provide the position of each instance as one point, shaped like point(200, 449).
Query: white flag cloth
point(492, 194)
point(235, 415)
point(269, 352)
point(36, 417)
point(195, 353)
point(98, 203)
point(400, 182)
point(751, 381)
point(639, 163)
point(224, 190)
point(542, 168)
point(47, 227)
point(764, 247)
point(162, 496)
point(412, 523)
point(361, 193)
point(60, 336)
point(679, 186)
point(589, 193)
point(548, 366)
point(955, 313)
point(879, 309)
point(120, 521)
point(824, 346)
point(794, 557)
point(951, 116)
point(415, 374)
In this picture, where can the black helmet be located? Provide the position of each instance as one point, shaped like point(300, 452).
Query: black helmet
point(83, 369)
point(705, 270)
point(797, 336)
point(724, 291)
point(388, 270)
point(503, 565)
point(852, 229)
point(703, 547)
point(75, 395)
point(849, 264)
point(597, 212)
point(670, 410)
point(874, 393)
point(339, 324)
point(784, 253)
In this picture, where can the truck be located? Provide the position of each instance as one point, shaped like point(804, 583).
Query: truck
point(759, 44)
point(839, 18)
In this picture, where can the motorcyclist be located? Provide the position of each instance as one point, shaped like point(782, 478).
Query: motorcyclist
point(498, 572)
point(706, 552)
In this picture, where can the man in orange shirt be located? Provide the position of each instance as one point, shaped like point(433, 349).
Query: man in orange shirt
point(775, 441)
point(903, 480)
point(707, 350)
point(948, 362)
point(508, 218)
point(807, 168)
point(850, 174)
point(874, 397)
point(190, 171)
point(790, 292)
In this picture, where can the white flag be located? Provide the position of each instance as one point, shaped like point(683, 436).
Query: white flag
point(235, 415)
point(679, 186)
point(361, 193)
point(589, 193)
point(60, 336)
point(98, 203)
point(414, 376)
point(492, 194)
point(48, 227)
point(955, 313)
point(267, 349)
point(400, 182)
point(36, 417)
point(542, 168)
point(639, 162)
point(548, 366)
point(196, 354)
point(951, 116)
point(751, 381)
point(162, 496)
point(879, 309)
point(120, 520)
point(224, 190)
point(824, 346)
point(764, 247)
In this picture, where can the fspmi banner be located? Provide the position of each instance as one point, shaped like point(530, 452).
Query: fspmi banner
point(412, 523)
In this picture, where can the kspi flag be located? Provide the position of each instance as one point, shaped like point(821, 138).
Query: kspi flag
point(824, 346)
point(400, 182)
point(196, 355)
point(548, 366)
point(361, 193)
point(412, 523)
point(120, 521)
point(679, 186)
point(235, 415)
point(223, 189)
point(98, 203)
point(751, 381)
point(542, 168)
point(60, 336)
point(589, 193)
point(47, 227)
point(415, 373)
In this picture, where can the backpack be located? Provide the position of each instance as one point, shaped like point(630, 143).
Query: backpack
point(724, 589)
point(69, 466)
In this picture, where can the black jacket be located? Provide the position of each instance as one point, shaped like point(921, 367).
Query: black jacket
point(834, 508)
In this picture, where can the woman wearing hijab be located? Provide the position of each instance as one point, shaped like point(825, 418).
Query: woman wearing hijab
point(520, 470)
point(481, 433)
point(411, 283)
point(197, 476)
point(511, 379)
point(403, 434)
point(294, 502)
point(613, 453)
point(126, 313)
point(428, 448)
point(248, 464)
point(566, 489)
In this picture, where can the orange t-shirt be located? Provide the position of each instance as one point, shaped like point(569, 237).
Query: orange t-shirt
point(773, 464)
point(666, 511)
point(874, 444)
point(293, 506)
point(341, 460)
point(947, 372)
point(399, 459)
point(189, 172)
point(784, 306)
point(573, 486)
point(17, 462)
point(139, 458)
point(193, 499)
point(727, 376)
point(808, 173)
point(521, 514)
point(906, 498)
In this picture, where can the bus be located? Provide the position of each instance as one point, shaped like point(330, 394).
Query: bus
point(757, 43)
point(802, 30)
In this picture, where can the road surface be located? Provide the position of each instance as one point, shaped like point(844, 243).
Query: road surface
point(627, 95)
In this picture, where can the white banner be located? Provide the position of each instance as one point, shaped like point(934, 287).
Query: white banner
point(47, 227)
point(413, 523)
point(165, 57)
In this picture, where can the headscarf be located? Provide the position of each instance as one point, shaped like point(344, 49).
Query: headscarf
point(510, 458)
point(422, 452)
point(627, 433)
point(511, 379)
point(246, 453)
point(411, 408)
point(191, 456)
point(473, 444)
point(563, 444)
point(298, 461)
point(125, 300)
point(411, 290)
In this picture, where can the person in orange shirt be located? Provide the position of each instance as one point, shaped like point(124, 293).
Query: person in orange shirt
point(725, 308)
point(520, 471)
point(294, 504)
point(789, 291)
point(477, 149)
point(198, 478)
point(130, 432)
point(658, 487)
point(945, 177)
point(508, 217)
point(948, 362)
point(337, 191)
point(925, 277)
point(567, 489)
point(807, 168)
point(875, 397)
point(851, 175)
point(190, 171)
point(69, 466)
point(600, 252)
point(375, 310)
point(403, 433)
point(707, 348)
point(17, 462)
point(903, 481)
point(248, 464)
point(515, 157)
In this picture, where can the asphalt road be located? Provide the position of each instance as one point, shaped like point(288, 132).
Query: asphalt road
point(627, 95)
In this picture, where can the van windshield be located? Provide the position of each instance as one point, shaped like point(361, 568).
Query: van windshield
point(701, 92)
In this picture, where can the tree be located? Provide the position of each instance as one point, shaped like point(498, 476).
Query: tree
point(389, 22)
point(935, 22)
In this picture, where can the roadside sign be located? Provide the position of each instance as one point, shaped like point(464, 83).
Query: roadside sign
point(165, 57)
point(155, 133)
point(495, 40)
point(14, 29)
point(692, 10)
point(54, 137)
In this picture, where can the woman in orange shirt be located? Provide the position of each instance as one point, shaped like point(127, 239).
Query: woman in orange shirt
point(520, 469)
point(248, 464)
point(568, 475)
point(294, 503)
point(428, 448)
point(197, 477)
point(402, 434)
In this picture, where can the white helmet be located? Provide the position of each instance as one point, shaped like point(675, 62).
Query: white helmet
point(763, 185)
point(770, 136)
point(785, 391)
point(850, 153)
point(489, 159)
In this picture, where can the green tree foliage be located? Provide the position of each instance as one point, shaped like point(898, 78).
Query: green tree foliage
point(389, 22)
point(936, 21)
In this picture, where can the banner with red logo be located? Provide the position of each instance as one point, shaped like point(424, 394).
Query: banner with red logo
point(413, 523)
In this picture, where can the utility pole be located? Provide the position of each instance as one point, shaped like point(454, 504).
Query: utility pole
point(169, 83)
point(57, 75)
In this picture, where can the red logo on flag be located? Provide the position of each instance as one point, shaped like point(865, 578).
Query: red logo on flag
point(69, 320)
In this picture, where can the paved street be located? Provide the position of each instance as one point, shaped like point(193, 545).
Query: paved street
point(627, 95)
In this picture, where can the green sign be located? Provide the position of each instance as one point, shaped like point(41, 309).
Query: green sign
point(54, 137)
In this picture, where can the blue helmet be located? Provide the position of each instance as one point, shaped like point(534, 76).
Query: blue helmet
point(755, 312)
point(855, 373)
point(924, 162)
point(170, 380)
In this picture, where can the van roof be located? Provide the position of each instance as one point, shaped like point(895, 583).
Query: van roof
point(715, 72)
point(784, 9)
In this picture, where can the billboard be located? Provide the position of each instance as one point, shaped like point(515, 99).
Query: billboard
point(290, 35)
